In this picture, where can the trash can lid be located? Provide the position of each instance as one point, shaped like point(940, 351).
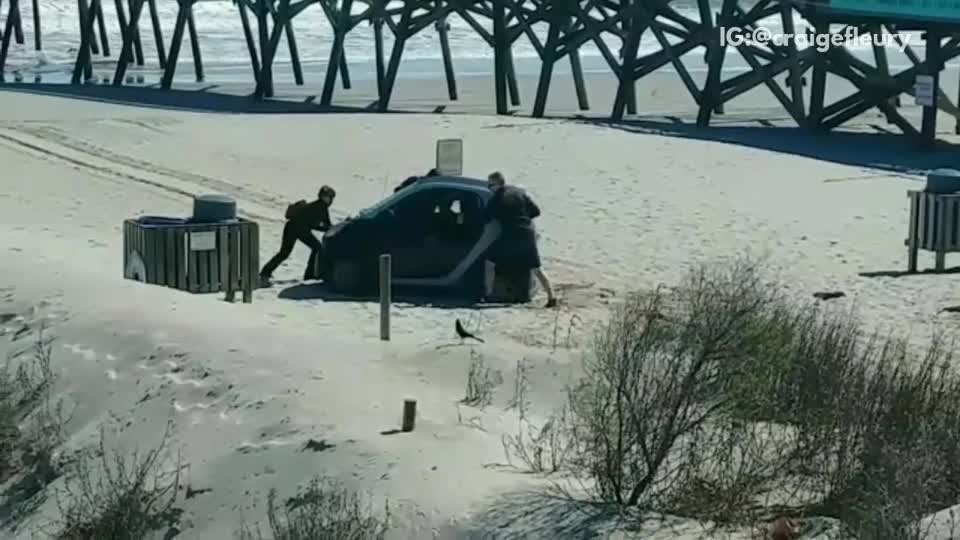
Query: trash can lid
point(160, 220)
point(214, 197)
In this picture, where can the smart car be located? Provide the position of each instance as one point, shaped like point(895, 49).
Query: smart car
point(433, 230)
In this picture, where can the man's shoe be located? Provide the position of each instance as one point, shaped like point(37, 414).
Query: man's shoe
point(551, 303)
point(265, 282)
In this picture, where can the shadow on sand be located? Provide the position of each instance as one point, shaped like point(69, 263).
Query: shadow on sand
point(532, 514)
point(886, 151)
point(904, 273)
point(318, 291)
point(201, 100)
point(879, 149)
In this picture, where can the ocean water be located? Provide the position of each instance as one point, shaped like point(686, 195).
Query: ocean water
point(225, 57)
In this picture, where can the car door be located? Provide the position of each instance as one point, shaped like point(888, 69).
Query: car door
point(458, 227)
point(405, 232)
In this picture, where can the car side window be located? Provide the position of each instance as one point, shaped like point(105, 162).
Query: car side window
point(416, 207)
point(439, 210)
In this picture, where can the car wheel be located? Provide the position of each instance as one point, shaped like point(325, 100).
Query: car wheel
point(345, 277)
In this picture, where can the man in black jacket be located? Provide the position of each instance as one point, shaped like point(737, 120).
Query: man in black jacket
point(302, 220)
point(516, 248)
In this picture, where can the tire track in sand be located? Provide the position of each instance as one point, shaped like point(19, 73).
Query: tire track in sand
point(50, 143)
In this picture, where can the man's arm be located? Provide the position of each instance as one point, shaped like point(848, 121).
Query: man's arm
point(322, 222)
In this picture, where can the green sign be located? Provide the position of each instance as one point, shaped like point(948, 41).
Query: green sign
point(938, 10)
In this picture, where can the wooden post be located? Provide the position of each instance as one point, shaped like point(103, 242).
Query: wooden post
point(409, 415)
point(400, 40)
point(341, 24)
point(626, 87)
point(378, 53)
point(940, 206)
point(134, 30)
point(157, 33)
point(7, 34)
point(912, 232)
point(385, 282)
point(548, 60)
point(512, 87)
point(102, 29)
point(928, 130)
point(819, 84)
point(500, 50)
point(18, 27)
point(442, 30)
point(195, 46)
point(294, 52)
point(37, 41)
point(344, 71)
point(265, 84)
point(175, 43)
point(248, 37)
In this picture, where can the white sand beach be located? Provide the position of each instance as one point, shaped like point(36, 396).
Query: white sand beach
point(248, 385)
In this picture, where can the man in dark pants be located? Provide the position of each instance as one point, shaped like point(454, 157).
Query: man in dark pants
point(516, 248)
point(302, 220)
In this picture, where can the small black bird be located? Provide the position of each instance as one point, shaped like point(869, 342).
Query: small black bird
point(462, 332)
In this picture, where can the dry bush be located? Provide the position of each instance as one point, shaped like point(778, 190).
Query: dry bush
point(661, 368)
point(31, 427)
point(324, 510)
point(114, 497)
point(724, 400)
point(541, 449)
point(731, 471)
point(521, 385)
point(481, 381)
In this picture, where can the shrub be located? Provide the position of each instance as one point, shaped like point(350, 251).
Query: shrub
point(119, 498)
point(324, 510)
point(725, 400)
point(31, 427)
point(481, 381)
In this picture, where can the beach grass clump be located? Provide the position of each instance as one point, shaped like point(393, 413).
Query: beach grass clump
point(324, 509)
point(31, 427)
point(726, 400)
point(113, 496)
point(482, 381)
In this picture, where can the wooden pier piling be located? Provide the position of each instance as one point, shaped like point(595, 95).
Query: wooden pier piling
point(669, 33)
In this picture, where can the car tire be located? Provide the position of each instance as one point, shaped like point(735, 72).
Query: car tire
point(345, 277)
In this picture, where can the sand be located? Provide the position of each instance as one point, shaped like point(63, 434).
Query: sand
point(248, 385)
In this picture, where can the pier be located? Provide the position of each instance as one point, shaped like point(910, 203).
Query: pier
point(796, 77)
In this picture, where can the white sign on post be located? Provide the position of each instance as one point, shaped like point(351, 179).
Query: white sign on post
point(923, 90)
point(203, 241)
point(450, 157)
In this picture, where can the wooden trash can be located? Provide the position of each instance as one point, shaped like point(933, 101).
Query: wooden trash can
point(193, 257)
point(934, 226)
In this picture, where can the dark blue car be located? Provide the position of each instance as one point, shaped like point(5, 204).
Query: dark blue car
point(434, 231)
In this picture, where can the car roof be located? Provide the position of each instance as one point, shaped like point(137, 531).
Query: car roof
point(454, 180)
point(425, 182)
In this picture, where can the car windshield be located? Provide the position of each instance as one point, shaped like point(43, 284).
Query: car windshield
point(373, 210)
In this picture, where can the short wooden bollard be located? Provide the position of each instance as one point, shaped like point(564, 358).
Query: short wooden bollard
point(385, 281)
point(409, 415)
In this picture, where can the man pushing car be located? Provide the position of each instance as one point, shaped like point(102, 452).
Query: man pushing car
point(302, 219)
